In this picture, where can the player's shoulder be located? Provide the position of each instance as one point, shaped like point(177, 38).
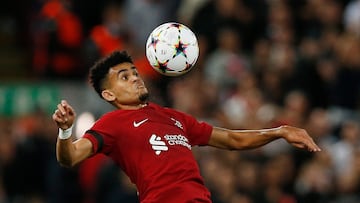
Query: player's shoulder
point(111, 115)
point(176, 114)
point(167, 109)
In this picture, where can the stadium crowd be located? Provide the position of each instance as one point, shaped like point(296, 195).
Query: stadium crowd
point(262, 63)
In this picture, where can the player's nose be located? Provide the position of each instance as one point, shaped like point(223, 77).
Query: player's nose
point(135, 78)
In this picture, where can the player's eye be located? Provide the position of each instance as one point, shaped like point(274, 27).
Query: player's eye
point(124, 77)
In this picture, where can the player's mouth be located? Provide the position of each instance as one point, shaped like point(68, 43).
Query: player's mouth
point(140, 86)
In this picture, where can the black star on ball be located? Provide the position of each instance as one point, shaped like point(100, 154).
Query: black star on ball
point(180, 48)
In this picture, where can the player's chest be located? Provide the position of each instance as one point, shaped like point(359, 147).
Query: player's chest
point(154, 132)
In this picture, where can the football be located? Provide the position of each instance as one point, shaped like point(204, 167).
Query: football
point(172, 49)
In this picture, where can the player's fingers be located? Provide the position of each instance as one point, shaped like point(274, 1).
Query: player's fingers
point(309, 142)
point(313, 146)
point(58, 118)
point(64, 102)
point(62, 116)
point(306, 143)
point(310, 145)
point(58, 113)
point(61, 109)
point(55, 116)
point(70, 110)
point(67, 107)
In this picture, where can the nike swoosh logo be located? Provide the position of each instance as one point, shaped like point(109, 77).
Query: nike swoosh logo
point(137, 124)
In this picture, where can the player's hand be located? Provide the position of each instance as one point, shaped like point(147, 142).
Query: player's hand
point(64, 115)
point(299, 138)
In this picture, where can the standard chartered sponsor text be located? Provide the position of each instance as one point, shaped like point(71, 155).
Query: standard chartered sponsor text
point(177, 140)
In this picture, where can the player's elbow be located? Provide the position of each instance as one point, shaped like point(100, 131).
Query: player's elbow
point(65, 162)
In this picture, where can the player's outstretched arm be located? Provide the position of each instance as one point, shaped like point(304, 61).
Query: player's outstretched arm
point(69, 153)
point(249, 139)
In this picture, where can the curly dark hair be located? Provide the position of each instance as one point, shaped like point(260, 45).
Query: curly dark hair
point(98, 72)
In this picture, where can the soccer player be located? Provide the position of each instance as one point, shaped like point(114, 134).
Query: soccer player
point(150, 143)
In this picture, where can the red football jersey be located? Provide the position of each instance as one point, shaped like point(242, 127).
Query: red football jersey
point(153, 147)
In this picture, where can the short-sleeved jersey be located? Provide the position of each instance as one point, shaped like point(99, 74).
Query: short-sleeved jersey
point(152, 145)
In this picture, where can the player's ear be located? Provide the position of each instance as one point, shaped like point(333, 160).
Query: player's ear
point(108, 95)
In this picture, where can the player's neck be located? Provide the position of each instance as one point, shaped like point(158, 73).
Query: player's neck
point(132, 106)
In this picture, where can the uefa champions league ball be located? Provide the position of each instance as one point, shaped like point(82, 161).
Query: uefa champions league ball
point(172, 49)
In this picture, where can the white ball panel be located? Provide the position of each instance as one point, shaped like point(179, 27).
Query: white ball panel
point(150, 54)
point(192, 53)
point(187, 36)
point(178, 63)
point(164, 52)
point(170, 35)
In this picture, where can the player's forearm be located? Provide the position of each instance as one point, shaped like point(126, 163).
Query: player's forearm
point(69, 153)
point(243, 139)
point(249, 139)
point(65, 152)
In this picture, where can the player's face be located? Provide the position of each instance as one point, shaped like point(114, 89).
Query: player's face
point(124, 86)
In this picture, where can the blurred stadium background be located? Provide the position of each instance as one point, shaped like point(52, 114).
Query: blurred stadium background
point(262, 63)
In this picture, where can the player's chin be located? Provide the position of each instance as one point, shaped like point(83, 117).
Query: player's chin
point(144, 96)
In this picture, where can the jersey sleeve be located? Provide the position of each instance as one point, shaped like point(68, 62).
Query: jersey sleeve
point(198, 132)
point(96, 139)
point(101, 136)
